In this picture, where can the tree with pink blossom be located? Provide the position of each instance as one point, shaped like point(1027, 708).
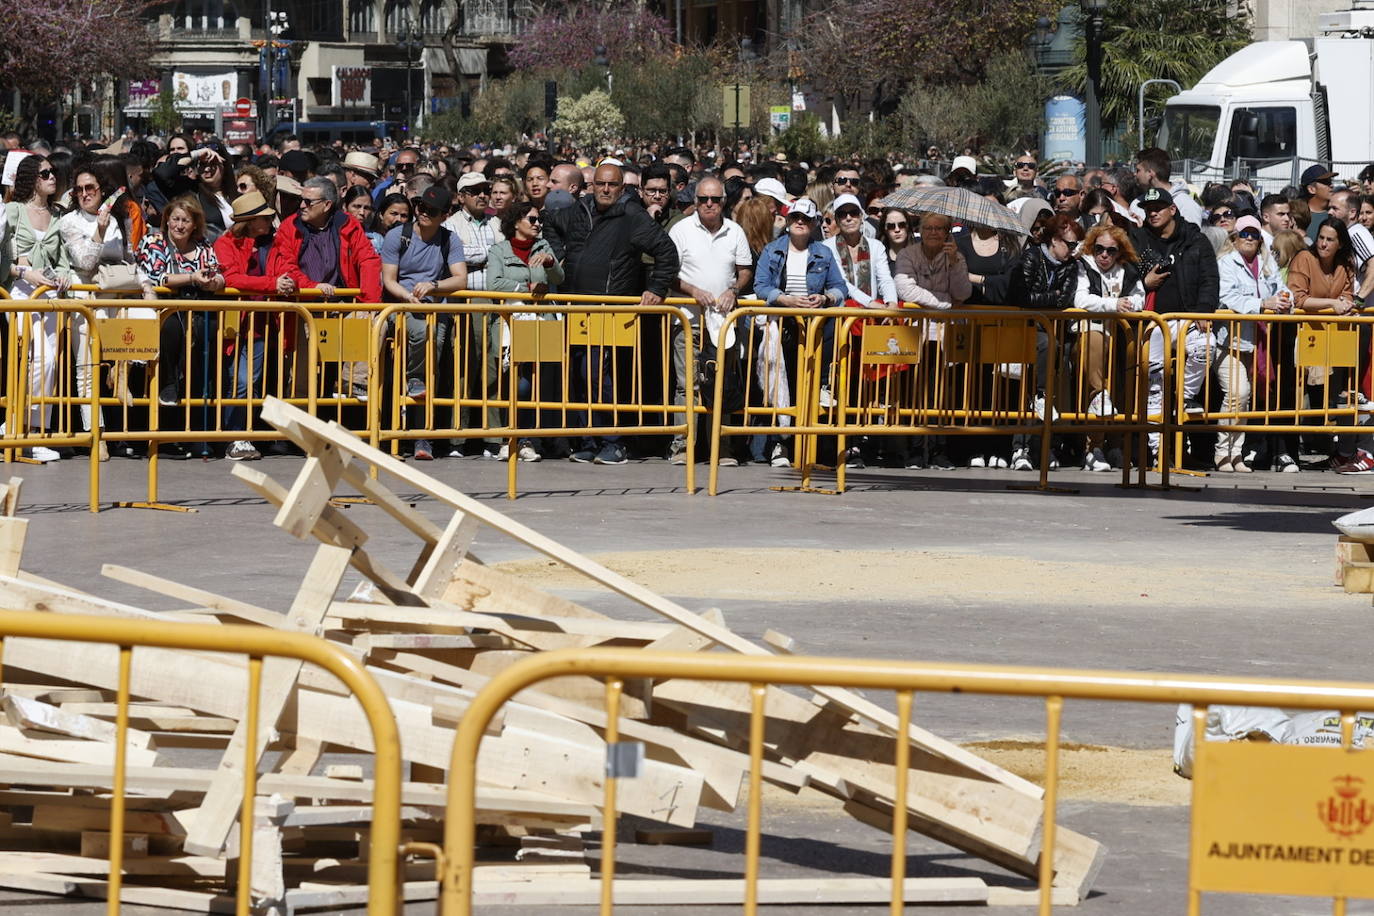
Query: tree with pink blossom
point(54, 46)
point(572, 35)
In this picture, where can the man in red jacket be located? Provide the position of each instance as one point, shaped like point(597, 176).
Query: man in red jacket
point(322, 247)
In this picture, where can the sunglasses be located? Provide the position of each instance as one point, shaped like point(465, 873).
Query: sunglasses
point(891, 226)
point(1025, 165)
point(1065, 192)
point(306, 203)
point(1104, 249)
point(405, 166)
point(849, 213)
point(1220, 215)
point(45, 173)
point(88, 189)
point(533, 220)
point(478, 190)
point(1249, 234)
point(875, 211)
point(710, 198)
point(849, 181)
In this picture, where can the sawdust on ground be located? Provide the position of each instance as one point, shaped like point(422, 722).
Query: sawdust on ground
point(779, 574)
point(1092, 772)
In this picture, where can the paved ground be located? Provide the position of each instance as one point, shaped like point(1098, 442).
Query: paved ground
point(1232, 577)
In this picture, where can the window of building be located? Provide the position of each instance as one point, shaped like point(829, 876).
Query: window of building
point(362, 16)
point(398, 16)
point(433, 16)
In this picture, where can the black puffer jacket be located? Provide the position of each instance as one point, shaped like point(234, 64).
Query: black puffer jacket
point(1193, 286)
point(604, 252)
point(1036, 283)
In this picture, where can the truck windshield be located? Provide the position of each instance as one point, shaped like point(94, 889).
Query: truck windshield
point(1189, 131)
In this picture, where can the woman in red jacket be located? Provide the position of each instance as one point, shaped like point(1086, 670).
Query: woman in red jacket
point(242, 253)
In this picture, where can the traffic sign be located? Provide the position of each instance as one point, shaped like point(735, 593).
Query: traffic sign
point(243, 107)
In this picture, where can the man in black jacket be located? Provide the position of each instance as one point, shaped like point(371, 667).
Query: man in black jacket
point(1180, 269)
point(602, 240)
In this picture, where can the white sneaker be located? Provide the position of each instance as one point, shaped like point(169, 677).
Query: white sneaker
point(826, 399)
point(853, 459)
point(997, 461)
point(1094, 461)
point(528, 453)
point(1102, 406)
point(977, 461)
point(779, 459)
point(45, 454)
point(1038, 408)
point(242, 450)
point(1054, 461)
point(503, 454)
point(1020, 460)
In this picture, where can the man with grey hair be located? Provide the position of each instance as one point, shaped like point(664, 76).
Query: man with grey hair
point(322, 247)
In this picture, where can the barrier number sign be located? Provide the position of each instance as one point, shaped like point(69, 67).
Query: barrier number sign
point(603, 329)
point(1012, 342)
point(1327, 345)
point(892, 344)
point(128, 338)
point(537, 340)
point(343, 339)
point(1279, 819)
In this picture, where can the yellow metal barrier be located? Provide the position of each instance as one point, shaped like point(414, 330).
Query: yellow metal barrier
point(565, 366)
point(616, 666)
point(257, 643)
point(1270, 375)
point(907, 372)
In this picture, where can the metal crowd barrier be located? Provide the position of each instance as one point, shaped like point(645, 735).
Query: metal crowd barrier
point(904, 373)
point(1293, 779)
point(1254, 373)
point(506, 367)
point(258, 643)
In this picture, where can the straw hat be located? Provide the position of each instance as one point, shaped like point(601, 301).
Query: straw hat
point(288, 185)
point(251, 206)
point(366, 163)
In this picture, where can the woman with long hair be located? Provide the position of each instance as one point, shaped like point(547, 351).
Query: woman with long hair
point(357, 203)
point(216, 189)
point(1109, 281)
point(895, 232)
point(37, 258)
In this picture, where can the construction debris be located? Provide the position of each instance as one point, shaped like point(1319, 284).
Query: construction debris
point(432, 635)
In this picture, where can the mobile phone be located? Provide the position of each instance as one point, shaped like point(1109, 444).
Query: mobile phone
point(114, 195)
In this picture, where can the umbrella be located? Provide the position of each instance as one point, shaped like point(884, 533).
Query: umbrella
point(958, 204)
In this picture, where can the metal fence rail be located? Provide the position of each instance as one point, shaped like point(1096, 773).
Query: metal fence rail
point(905, 679)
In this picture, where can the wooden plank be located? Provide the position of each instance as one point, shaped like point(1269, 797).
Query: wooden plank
point(222, 802)
point(240, 609)
point(730, 891)
point(1358, 578)
point(11, 499)
point(446, 554)
point(37, 744)
point(488, 590)
point(98, 844)
point(62, 863)
point(286, 417)
point(442, 617)
point(310, 493)
point(13, 531)
point(35, 715)
point(75, 820)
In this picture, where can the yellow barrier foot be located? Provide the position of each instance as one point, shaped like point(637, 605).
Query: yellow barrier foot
point(820, 490)
point(164, 507)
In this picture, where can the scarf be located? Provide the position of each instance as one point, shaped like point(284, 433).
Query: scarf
point(522, 248)
point(858, 270)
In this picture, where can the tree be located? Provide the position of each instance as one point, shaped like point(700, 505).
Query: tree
point(1000, 113)
point(933, 42)
point(53, 46)
point(163, 115)
point(1157, 39)
point(566, 36)
point(589, 120)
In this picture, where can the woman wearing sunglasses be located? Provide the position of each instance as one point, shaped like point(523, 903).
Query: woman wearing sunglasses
point(523, 262)
point(1250, 283)
point(895, 232)
point(36, 257)
point(1108, 282)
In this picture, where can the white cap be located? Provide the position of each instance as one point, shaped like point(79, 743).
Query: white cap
point(843, 200)
point(968, 163)
point(771, 187)
point(803, 206)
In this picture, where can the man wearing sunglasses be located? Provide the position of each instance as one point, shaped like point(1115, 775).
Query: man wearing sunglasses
point(602, 240)
point(1067, 197)
point(1025, 170)
point(716, 264)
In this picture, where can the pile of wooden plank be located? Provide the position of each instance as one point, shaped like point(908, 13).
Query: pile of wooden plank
point(432, 636)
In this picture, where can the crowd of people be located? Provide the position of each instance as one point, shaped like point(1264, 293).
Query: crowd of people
point(186, 217)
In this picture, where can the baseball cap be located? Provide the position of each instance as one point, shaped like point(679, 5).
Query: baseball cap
point(1315, 173)
point(967, 163)
point(1156, 198)
point(804, 206)
point(1248, 222)
point(437, 197)
point(845, 200)
point(771, 187)
point(472, 179)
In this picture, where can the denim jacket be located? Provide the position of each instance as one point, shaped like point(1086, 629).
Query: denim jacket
point(822, 272)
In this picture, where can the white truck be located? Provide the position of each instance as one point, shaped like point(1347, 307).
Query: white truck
point(1274, 108)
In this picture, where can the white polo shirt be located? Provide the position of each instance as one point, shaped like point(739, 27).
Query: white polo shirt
point(709, 260)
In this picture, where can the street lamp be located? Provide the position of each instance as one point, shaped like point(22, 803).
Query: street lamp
point(412, 41)
point(1092, 36)
point(603, 60)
